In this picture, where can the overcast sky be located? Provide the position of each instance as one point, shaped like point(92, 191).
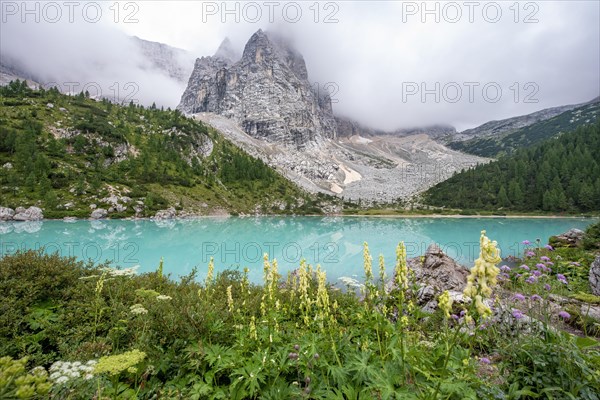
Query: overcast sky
point(390, 63)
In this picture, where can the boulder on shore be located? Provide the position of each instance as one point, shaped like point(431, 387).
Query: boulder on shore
point(30, 214)
point(169, 213)
point(6, 214)
point(571, 238)
point(436, 272)
point(99, 213)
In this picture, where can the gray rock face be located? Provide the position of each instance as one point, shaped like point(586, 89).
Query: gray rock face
point(571, 238)
point(266, 92)
point(595, 276)
point(441, 271)
point(436, 272)
point(30, 214)
point(6, 214)
point(169, 213)
point(99, 213)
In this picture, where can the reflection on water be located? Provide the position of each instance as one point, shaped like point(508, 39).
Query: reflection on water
point(333, 242)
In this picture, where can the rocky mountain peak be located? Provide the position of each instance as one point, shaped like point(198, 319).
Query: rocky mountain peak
point(227, 52)
point(267, 48)
point(267, 92)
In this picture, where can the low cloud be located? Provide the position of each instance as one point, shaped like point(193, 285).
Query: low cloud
point(390, 65)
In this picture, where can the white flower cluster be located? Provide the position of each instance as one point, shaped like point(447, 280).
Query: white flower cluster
point(138, 309)
point(163, 297)
point(351, 282)
point(122, 272)
point(64, 371)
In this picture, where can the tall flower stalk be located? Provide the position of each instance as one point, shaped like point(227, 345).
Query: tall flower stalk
point(483, 275)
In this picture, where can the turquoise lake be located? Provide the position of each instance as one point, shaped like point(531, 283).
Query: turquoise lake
point(333, 242)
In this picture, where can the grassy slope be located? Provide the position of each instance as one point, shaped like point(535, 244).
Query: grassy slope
point(71, 149)
point(510, 142)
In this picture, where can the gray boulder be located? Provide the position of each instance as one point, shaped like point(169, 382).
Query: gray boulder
point(436, 272)
point(169, 213)
point(6, 214)
point(595, 276)
point(99, 213)
point(30, 214)
point(571, 238)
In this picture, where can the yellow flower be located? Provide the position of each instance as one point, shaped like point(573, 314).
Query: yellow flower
point(229, 299)
point(211, 270)
point(445, 303)
point(483, 274)
point(253, 334)
point(401, 270)
point(367, 262)
point(114, 365)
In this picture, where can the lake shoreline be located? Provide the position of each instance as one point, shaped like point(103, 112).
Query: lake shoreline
point(394, 216)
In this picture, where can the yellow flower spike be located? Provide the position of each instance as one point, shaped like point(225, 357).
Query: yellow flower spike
point(229, 299)
point(211, 270)
point(367, 263)
point(253, 334)
point(401, 270)
point(445, 303)
point(483, 274)
point(382, 268)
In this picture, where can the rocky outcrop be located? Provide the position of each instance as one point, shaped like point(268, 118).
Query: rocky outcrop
point(30, 214)
point(6, 214)
point(169, 213)
point(266, 92)
point(434, 273)
point(571, 238)
point(99, 213)
point(595, 276)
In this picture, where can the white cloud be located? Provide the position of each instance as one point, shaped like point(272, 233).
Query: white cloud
point(372, 53)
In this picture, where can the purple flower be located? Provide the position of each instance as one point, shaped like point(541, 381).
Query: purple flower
point(525, 267)
point(518, 275)
point(484, 360)
point(531, 280)
point(540, 266)
point(546, 269)
point(526, 242)
point(455, 317)
point(536, 297)
point(537, 274)
point(561, 278)
point(519, 297)
point(549, 263)
point(517, 314)
point(575, 263)
point(547, 287)
point(463, 313)
point(564, 315)
point(505, 268)
point(530, 254)
point(549, 247)
point(545, 258)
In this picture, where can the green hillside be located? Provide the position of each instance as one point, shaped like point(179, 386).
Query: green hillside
point(64, 153)
point(508, 143)
point(558, 175)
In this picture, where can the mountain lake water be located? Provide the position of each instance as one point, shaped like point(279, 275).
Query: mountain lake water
point(336, 243)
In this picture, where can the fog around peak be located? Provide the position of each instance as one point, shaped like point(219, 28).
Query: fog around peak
point(385, 66)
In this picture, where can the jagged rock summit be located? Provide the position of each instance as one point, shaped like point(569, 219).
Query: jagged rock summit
point(266, 92)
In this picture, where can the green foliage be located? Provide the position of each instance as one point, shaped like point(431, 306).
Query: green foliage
point(558, 175)
point(591, 240)
point(81, 148)
point(508, 143)
point(152, 337)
